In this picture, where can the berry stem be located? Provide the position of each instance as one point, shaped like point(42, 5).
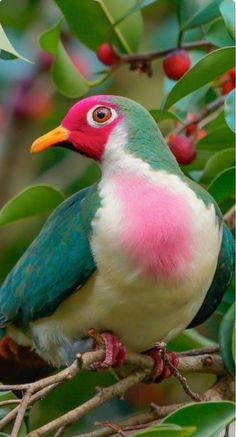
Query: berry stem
point(180, 37)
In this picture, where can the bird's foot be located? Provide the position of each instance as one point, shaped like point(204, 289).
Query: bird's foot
point(162, 369)
point(115, 351)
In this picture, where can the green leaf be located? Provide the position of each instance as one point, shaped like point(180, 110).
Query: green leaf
point(38, 199)
point(207, 69)
point(227, 9)
point(233, 344)
point(7, 50)
point(197, 12)
point(218, 35)
point(189, 339)
point(158, 115)
point(136, 7)
point(163, 430)
point(223, 185)
point(230, 110)
point(210, 418)
point(92, 22)
point(66, 76)
point(217, 163)
point(225, 338)
point(221, 138)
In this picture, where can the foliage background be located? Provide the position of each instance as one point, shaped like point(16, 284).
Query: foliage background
point(35, 96)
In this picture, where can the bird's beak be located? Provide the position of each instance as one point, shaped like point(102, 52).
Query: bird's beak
point(52, 138)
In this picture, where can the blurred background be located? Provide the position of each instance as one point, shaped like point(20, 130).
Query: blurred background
point(30, 105)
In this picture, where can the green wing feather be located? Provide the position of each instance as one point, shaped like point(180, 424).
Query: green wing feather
point(225, 265)
point(57, 262)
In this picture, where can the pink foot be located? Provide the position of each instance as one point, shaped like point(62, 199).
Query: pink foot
point(161, 370)
point(115, 351)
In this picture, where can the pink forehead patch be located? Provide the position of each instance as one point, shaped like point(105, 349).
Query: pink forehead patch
point(156, 232)
point(78, 112)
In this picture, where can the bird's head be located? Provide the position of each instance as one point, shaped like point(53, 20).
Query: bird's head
point(105, 126)
point(89, 123)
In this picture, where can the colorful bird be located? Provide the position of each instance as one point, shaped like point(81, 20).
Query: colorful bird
point(139, 256)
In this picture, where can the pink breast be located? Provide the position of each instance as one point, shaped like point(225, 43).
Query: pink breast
point(156, 230)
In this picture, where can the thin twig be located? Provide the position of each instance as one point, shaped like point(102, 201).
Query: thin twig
point(205, 362)
point(9, 402)
point(118, 389)
point(209, 109)
point(179, 376)
point(21, 412)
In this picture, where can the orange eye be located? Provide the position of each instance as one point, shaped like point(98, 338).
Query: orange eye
point(102, 114)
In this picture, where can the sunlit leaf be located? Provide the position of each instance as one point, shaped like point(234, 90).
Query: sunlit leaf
point(7, 50)
point(227, 9)
point(210, 418)
point(92, 22)
point(230, 110)
point(218, 35)
point(163, 430)
point(197, 12)
point(140, 5)
point(38, 199)
point(207, 69)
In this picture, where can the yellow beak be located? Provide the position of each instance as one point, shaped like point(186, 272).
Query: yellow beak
point(53, 137)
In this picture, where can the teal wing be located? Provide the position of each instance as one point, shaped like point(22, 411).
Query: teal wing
point(221, 280)
point(57, 262)
point(225, 265)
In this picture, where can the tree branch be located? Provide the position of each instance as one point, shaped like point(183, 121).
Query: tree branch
point(141, 367)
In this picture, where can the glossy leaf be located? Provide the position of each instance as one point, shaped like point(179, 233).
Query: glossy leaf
point(225, 338)
point(7, 50)
point(197, 12)
point(223, 185)
point(91, 21)
point(230, 110)
point(30, 202)
point(227, 9)
point(210, 418)
point(163, 430)
point(217, 139)
point(66, 76)
point(207, 69)
point(218, 35)
point(140, 5)
point(158, 115)
point(217, 163)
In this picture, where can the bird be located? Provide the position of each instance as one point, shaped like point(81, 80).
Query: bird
point(132, 260)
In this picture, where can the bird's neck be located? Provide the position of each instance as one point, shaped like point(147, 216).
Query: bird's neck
point(129, 150)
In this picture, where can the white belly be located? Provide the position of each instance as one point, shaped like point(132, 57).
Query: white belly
point(141, 310)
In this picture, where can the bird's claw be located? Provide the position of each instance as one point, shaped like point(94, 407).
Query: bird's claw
point(115, 351)
point(162, 370)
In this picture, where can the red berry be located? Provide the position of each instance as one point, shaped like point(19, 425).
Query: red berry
point(175, 64)
point(232, 73)
point(228, 86)
point(191, 127)
point(182, 148)
point(106, 54)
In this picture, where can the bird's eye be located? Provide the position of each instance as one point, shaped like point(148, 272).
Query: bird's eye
point(101, 114)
